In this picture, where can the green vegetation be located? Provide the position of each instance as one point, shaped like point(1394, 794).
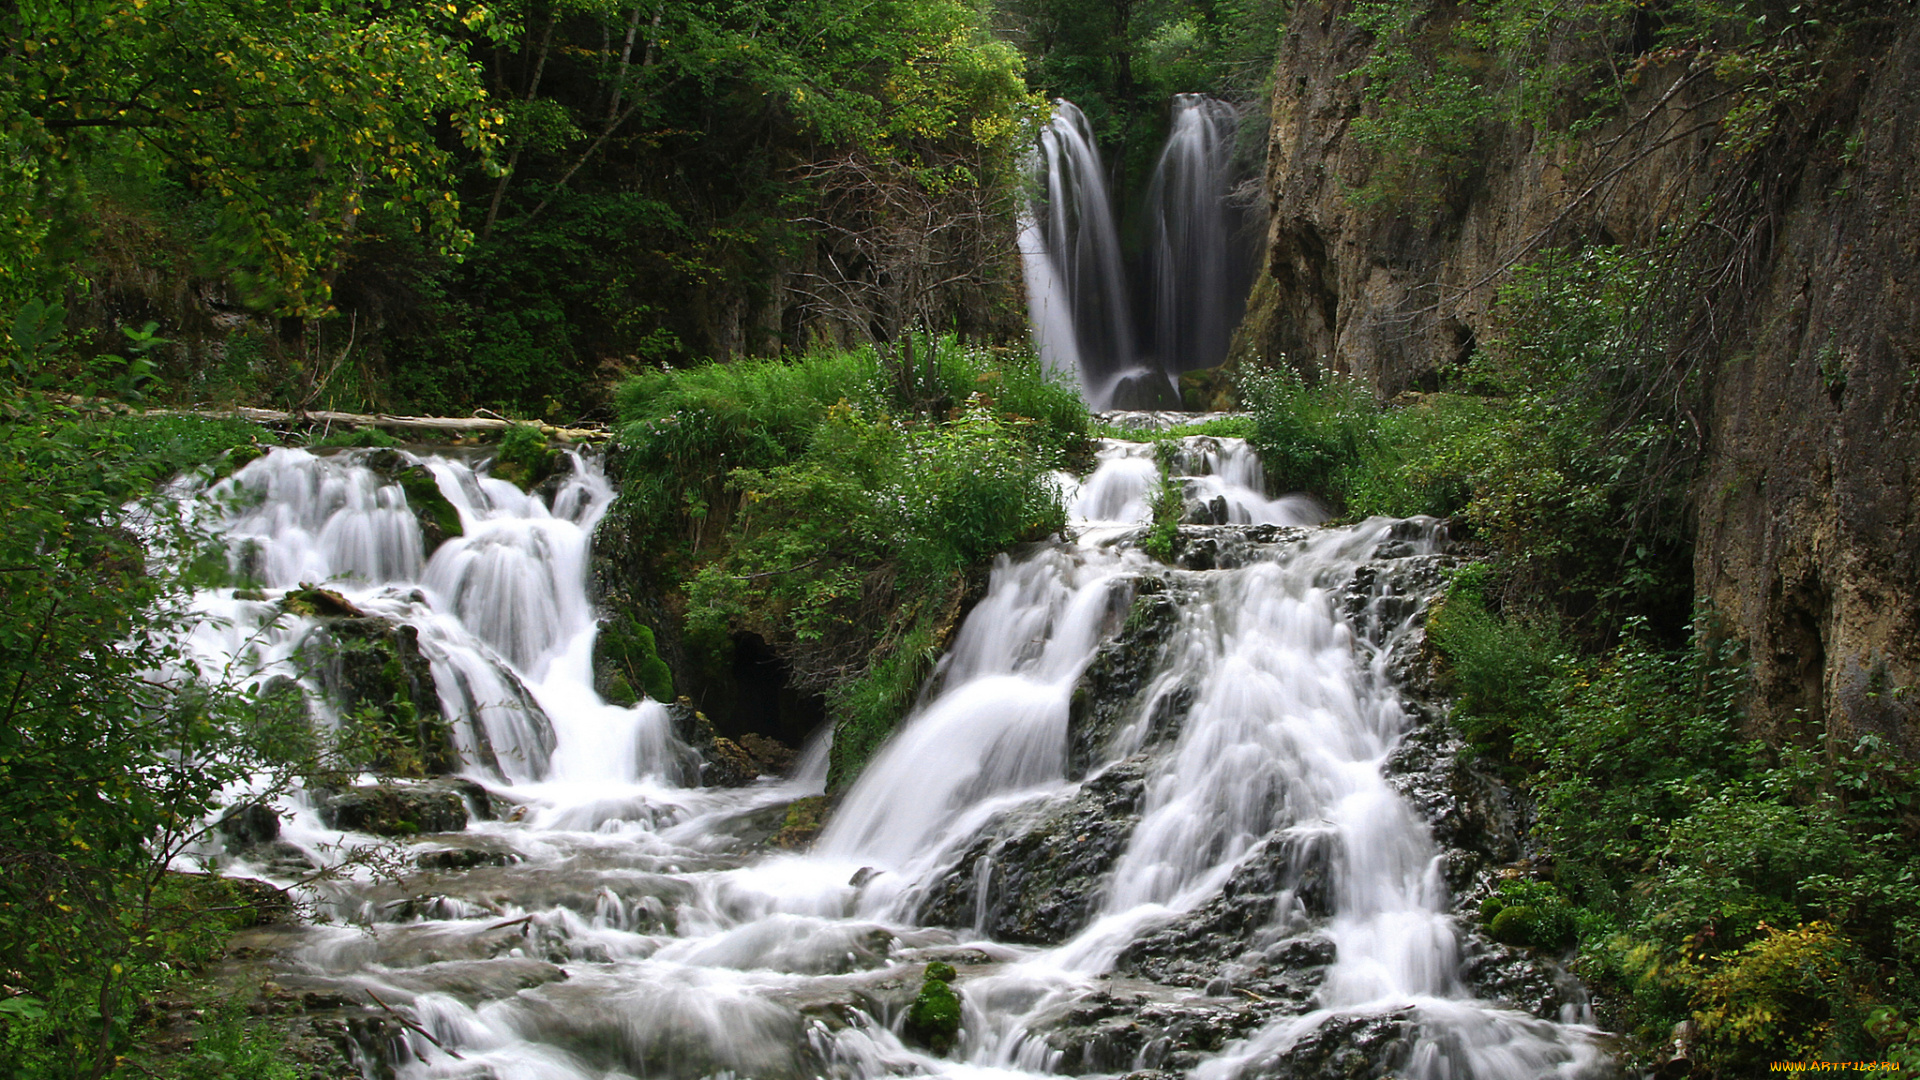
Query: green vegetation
point(1558, 444)
point(109, 771)
point(524, 458)
point(1442, 81)
point(1532, 913)
point(818, 504)
point(629, 651)
point(1766, 893)
point(933, 1020)
point(431, 207)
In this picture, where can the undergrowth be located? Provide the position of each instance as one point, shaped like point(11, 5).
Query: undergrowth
point(1768, 895)
point(804, 501)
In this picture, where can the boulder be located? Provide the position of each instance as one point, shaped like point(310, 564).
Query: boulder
point(372, 671)
point(400, 809)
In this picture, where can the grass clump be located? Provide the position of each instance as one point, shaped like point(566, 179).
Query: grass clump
point(523, 458)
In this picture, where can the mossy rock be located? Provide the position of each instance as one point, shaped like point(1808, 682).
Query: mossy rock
point(626, 663)
point(933, 1020)
point(313, 602)
point(805, 818)
point(1545, 927)
point(439, 519)
point(728, 765)
point(373, 672)
point(396, 809)
point(524, 458)
point(238, 458)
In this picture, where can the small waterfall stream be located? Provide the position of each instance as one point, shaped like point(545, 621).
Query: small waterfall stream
point(1144, 810)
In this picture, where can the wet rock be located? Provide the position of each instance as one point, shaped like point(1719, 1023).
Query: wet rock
point(248, 825)
point(666, 1030)
point(372, 670)
point(1143, 391)
point(1137, 1026)
point(559, 467)
point(1472, 815)
point(1344, 1047)
point(1283, 888)
point(439, 519)
point(464, 853)
point(1227, 547)
point(1041, 868)
point(802, 823)
point(1109, 694)
point(716, 761)
point(477, 981)
point(1515, 978)
point(397, 809)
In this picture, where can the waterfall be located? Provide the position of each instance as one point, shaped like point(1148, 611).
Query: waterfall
point(1071, 251)
point(1197, 263)
point(1146, 811)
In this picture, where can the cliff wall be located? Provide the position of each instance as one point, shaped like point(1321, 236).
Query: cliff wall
point(1808, 509)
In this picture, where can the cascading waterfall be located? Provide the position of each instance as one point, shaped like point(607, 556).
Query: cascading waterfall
point(1198, 264)
point(625, 925)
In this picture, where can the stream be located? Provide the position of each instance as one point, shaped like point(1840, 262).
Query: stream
point(1161, 819)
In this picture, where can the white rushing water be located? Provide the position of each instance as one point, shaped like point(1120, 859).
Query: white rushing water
point(625, 925)
point(1197, 257)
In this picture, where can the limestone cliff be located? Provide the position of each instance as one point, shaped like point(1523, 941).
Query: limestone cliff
point(1808, 537)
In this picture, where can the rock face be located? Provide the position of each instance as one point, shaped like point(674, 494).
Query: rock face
point(1808, 506)
point(1390, 291)
point(1809, 535)
point(372, 669)
point(1035, 876)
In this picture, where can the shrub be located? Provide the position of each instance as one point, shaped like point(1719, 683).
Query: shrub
point(1335, 442)
point(1531, 913)
point(803, 502)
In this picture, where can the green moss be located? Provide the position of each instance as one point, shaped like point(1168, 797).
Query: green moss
point(871, 706)
point(524, 458)
point(439, 518)
point(933, 1020)
point(626, 661)
point(310, 601)
point(360, 437)
point(804, 820)
point(1531, 914)
point(236, 459)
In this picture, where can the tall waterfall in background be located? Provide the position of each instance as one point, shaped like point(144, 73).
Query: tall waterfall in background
point(1075, 284)
point(1197, 264)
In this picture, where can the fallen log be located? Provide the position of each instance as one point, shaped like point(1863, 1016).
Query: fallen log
point(384, 421)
